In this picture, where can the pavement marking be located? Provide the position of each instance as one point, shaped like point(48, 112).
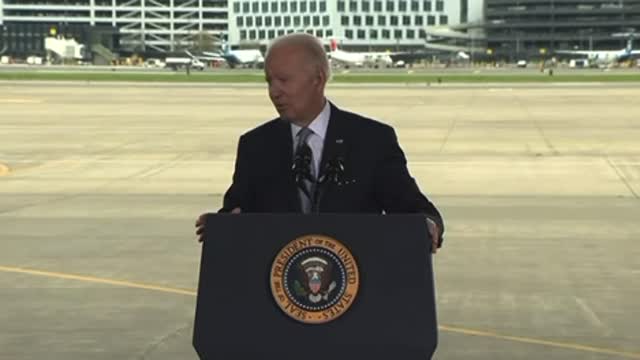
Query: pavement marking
point(97, 280)
point(622, 178)
point(446, 328)
point(4, 169)
point(527, 340)
point(20, 101)
point(591, 315)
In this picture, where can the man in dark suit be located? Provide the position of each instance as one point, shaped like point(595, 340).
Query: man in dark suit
point(361, 158)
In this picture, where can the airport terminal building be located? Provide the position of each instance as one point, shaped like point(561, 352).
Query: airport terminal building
point(525, 29)
point(356, 24)
point(145, 26)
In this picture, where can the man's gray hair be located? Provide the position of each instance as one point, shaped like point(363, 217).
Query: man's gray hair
point(310, 44)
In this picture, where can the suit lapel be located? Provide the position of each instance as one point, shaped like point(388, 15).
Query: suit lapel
point(334, 139)
point(284, 146)
point(335, 145)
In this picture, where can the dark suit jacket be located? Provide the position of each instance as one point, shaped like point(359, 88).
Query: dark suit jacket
point(263, 180)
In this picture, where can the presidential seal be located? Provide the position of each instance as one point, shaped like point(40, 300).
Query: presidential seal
point(314, 279)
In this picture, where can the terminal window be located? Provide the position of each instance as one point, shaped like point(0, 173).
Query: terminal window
point(369, 20)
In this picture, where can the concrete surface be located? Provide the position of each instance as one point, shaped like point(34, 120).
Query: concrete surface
point(100, 185)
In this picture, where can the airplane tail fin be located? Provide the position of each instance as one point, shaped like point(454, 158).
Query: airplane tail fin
point(225, 47)
point(630, 45)
point(334, 45)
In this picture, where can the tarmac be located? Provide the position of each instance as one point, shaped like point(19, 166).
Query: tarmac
point(100, 185)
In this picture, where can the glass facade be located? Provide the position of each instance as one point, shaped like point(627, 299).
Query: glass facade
point(353, 22)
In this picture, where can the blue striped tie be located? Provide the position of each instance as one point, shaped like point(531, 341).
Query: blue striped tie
point(306, 198)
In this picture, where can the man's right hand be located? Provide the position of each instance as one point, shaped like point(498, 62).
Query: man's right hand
point(200, 223)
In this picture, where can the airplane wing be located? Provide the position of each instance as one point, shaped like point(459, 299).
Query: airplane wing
point(574, 52)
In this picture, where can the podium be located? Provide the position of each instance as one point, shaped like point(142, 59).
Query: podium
point(326, 286)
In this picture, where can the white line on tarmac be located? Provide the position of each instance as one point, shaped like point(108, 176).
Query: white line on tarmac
point(20, 101)
point(591, 315)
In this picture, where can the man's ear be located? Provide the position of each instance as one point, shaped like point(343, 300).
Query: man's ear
point(321, 77)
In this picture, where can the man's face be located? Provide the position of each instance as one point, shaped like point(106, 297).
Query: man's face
point(295, 84)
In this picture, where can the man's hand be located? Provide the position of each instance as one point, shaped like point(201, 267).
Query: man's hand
point(200, 224)
point(434, 232)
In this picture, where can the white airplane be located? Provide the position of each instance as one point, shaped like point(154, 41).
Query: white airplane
point(359, 59)
point(605, 57)
point(242, 58)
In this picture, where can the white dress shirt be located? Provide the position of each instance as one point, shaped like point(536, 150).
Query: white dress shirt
point(316, 140)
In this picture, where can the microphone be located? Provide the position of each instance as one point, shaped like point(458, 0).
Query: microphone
point(334, 173)
point(301, 168)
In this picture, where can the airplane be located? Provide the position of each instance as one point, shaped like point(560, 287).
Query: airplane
point(242, 58)
point(605, 57)
point(359, 59)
